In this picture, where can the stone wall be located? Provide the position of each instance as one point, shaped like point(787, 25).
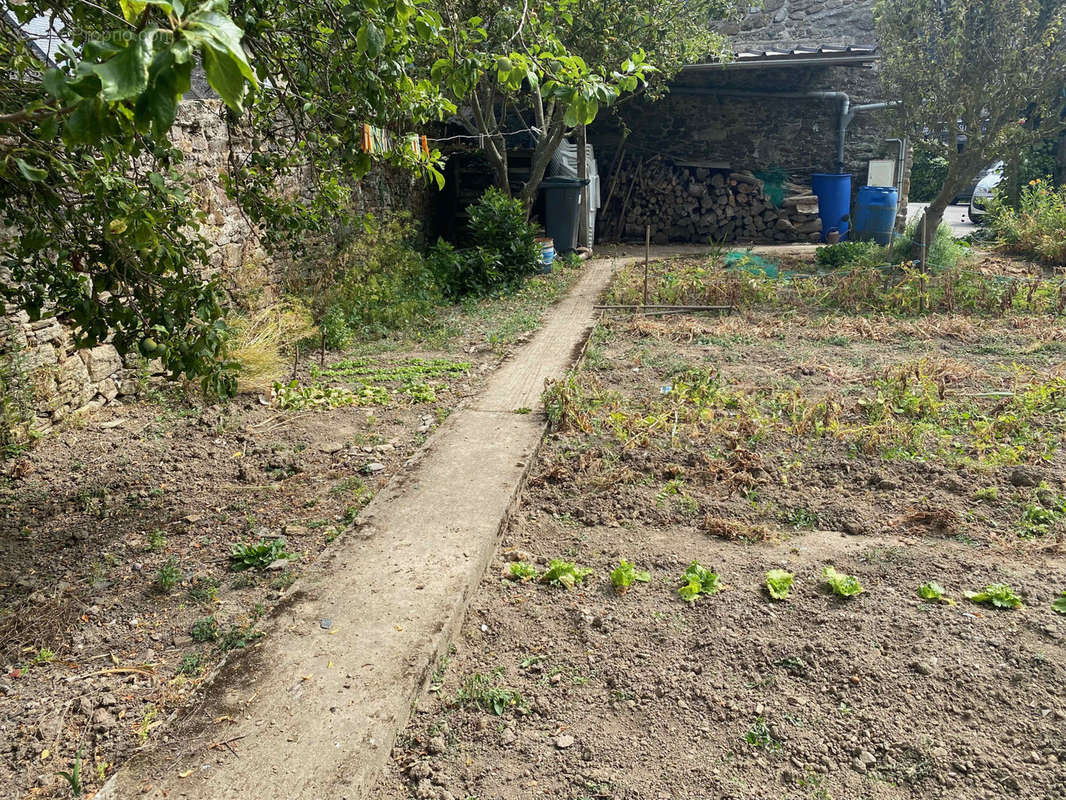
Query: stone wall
point(785, 24)
point(697, 125)
point(60, 381)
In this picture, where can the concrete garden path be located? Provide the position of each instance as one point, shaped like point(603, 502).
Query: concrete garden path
point(311, 712)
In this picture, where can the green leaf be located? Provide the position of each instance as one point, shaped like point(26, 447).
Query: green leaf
point(55, 82)
point(370, 39)
point(698, 580)
point(841, 584)
point(570, 117)
point(225, 63)
point(131, 9)
point(225, 77)
point(1059, 605)
point(86, 125)
point(626, 574)
point(564, 573)
point(125, 75)
point(999, 595)
point(931, 591)
point(778, 583)
point(32, 174)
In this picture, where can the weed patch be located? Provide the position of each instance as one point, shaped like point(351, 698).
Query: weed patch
point(485, 692)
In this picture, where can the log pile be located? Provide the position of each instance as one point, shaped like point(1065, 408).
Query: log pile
point(699, 204)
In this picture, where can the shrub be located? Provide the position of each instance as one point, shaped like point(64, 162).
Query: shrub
point(498, 224)
point(464, 272)
point(376, 280)
point(835, 256)
point(1035, 228)
point(505, 250)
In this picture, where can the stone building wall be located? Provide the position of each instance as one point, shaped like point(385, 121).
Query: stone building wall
point(56, 380)
point(785, 24)
point(797, 135)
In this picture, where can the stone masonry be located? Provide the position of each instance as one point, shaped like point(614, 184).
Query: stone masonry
point(63, 381)
point(693, 126)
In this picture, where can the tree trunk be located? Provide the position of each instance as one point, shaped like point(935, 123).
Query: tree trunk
point(542, 155)
point(958, 176)
point(934, 214)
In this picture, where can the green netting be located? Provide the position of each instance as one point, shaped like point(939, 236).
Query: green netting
point(751, 263)
point(774, 180)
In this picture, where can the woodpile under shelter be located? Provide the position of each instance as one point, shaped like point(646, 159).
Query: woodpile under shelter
point(728, 153)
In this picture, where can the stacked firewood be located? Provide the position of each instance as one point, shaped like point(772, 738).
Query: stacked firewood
point(699, 204)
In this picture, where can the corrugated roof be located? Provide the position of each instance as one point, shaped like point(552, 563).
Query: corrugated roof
point(825, 55)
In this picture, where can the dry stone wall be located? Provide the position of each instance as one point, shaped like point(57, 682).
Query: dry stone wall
point(56, 380)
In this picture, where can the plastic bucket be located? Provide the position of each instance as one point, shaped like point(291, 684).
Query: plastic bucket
point(834, 200)
point(875, 214)
point(547, 253)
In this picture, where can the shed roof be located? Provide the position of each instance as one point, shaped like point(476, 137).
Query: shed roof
point(824, 56)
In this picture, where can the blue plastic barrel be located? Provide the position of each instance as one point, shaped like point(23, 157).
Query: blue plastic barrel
point(875, 214)
point(834, 200)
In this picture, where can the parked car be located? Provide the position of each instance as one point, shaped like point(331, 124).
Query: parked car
point(982, 191)
point(963, 197)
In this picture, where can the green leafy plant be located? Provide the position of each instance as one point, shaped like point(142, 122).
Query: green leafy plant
point(204, 589)
point(73, 778)
point(999, 595)
point(841, 584)
point(484, 692)
point(168, 575)
point(205, 629)
point(294, 396)
point(521, 571)
point(778, 583)
point(191, 664)
point(697, 580)
point(259, 555)
point(835, 256)
point(759, 735)
point(1058, 605)
point(565, 574)
point(157, 540)
point(987, 494)
point(236, 637)
point(1033, 228)
point(625, 575)
point(933, 592)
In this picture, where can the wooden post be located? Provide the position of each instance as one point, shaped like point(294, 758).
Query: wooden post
point(925, 250)
point(647, 256)
point(582, 174)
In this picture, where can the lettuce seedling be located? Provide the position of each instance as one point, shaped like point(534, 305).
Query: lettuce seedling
point(841, 584)
point(565, 574)
point(933, 592)
point(1059, 605)
point(778, 583)
point(521, 571)
point(625, 575)
point(698, 580)
point(999, 595)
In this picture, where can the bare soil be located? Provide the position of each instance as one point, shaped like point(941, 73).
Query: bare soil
point(588, 694)
point(96, 654)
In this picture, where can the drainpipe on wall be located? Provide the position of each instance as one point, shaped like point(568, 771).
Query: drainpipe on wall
point(845, 116)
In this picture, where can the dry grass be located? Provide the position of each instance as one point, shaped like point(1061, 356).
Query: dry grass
point(262, 341)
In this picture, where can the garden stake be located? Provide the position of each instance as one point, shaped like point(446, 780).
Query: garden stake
point(647, 255)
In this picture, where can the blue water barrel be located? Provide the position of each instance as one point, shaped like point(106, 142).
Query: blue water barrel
point(834, 200)
point(875, 214)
